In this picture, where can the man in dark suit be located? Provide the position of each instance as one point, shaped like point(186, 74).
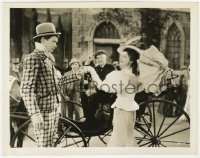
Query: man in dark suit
point(103, 67)
point(91, 103)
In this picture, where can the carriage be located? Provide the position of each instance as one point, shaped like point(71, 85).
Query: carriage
point(152, 128)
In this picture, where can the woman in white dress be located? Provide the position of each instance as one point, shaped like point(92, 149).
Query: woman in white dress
point(152, 65)
point(124, 83)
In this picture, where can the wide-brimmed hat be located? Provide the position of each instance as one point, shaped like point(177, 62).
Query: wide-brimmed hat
point(123, 47)
point(46, 29)
point(74, 60)
point(99, 52)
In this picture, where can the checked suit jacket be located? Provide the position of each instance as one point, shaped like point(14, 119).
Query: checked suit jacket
point(40, 83)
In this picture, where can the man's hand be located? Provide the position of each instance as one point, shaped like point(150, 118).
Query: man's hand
point(37, 121)
point(169, 74)
point(89, 69)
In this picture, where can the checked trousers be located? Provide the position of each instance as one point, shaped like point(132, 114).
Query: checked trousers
point(44, 137)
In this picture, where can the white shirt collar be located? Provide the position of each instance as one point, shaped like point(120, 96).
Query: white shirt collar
point(102, 65)
point(41, 47)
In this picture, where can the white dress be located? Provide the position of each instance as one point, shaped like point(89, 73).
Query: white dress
point(125, 105)
point(152, 65)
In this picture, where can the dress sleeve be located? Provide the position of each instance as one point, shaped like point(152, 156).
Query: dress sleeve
point(153, 66)
point(113, 82)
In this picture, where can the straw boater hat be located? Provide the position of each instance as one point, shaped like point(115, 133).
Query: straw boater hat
point(74, 60)
point(45, 29)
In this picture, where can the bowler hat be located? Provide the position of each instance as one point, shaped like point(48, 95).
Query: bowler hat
point(46, 29)
point(99, 52)
point(74, 60)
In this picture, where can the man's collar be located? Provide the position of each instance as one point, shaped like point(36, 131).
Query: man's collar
point(41, 47)
point(102, 66)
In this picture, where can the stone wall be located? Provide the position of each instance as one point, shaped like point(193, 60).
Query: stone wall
point(84, 19)
point(79, 40)
point(182, 21)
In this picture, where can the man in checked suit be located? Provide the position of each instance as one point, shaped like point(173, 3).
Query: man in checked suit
point(40, 85)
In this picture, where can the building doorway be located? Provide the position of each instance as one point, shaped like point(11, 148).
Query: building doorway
point(107, 38)
point(110, 49)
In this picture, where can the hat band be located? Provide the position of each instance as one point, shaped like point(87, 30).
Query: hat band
point(45, 33)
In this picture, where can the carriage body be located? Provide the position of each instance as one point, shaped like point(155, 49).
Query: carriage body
point(153, 129)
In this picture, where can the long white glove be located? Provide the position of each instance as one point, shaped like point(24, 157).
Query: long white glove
point(37, 121)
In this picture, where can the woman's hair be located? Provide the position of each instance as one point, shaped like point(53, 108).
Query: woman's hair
point(134, 56)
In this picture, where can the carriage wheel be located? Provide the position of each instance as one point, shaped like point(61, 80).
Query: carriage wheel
point(68, 135)
point(143, 115)
point(24, 136)
point(166, 130)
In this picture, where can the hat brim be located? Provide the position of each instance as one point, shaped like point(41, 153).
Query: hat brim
point(74, 62)
point(99, 53)
point(121, 49)
point(46, 34)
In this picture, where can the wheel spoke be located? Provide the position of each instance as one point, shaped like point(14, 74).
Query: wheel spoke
point(148, 126)
point(154, 120)
point(143, 131)
point(151, 145)
point(145, 144)
point(174, 133)
point(28, 136)
point(139, 138)
point(169, 126)
point(101, 138)
point(161, 125)
point(68, 145)
point(176, 142)
point(162, 145)
point(59, 140)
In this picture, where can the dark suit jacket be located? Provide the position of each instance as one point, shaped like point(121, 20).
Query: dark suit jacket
point(103, 97)
point(102, 72)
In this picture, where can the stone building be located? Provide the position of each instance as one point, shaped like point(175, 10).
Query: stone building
point(85, 31)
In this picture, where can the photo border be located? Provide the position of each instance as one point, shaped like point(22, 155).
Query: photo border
point(105, 150)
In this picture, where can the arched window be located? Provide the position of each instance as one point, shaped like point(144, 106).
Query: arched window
point(173, 52)
point(107, 38)
point(106, 30)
